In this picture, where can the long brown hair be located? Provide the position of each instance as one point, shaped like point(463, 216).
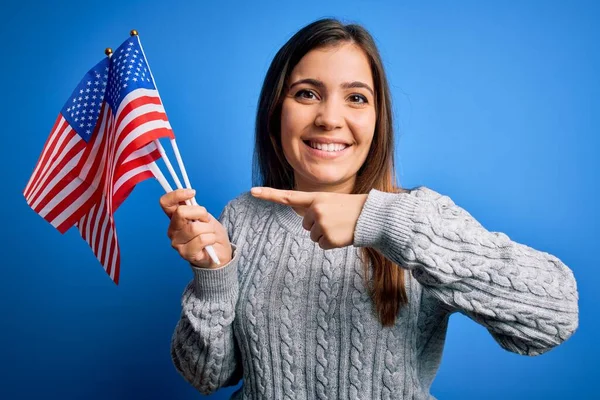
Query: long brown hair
point(270, 167)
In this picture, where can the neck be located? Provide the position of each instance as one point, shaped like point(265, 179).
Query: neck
point(346, 186)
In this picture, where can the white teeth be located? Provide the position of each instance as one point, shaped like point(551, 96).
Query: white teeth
point(328, 147)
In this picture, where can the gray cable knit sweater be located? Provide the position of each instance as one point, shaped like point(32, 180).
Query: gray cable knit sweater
point(296, 321)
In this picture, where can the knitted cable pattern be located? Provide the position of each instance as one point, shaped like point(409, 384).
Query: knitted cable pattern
point(292, 290)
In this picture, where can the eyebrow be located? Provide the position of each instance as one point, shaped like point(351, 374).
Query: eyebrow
point(345, 85)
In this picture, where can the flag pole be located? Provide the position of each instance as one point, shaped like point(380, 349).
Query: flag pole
point(209, 249)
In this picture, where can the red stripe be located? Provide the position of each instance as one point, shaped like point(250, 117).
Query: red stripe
point(44, 171)
point(135, 163)
point(127, 187)
point(138, 102)
point(78, 213)
point(60, 185)
point(49, 145)
point(142, 141)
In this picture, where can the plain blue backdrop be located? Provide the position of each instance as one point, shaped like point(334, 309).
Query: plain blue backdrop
point(497, 106)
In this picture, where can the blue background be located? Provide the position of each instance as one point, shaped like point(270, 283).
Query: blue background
point(497, 106)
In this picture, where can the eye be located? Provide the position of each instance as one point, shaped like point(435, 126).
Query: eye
point(305, 94)
point(358, 98)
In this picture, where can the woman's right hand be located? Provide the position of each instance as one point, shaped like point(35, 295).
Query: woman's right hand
point(192, 228)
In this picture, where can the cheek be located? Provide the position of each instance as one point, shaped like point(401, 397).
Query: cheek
point(363, 126)
point(294, 118)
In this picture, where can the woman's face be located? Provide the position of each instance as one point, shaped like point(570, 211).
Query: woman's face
point(329, 104)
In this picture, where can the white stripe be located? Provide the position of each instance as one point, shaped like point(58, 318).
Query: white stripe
point(75, 205)
point(143, 151)
point(138, 131)
point(97, 223)
point(94, 228)
point(136, 112)
point(128, 175)
point(56, 159)
point(97, 141)
point(54, 137)
point(55, 180)
point(136, 94)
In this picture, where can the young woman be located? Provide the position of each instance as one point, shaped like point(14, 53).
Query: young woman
point(334, 283)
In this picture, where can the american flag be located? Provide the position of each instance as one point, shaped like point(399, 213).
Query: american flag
point(100, 147)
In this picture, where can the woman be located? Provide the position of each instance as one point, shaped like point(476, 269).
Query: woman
point(335, 283)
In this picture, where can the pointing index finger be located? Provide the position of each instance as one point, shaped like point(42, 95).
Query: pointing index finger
point(286, 197)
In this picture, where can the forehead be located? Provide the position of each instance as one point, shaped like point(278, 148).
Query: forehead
point(343, 63)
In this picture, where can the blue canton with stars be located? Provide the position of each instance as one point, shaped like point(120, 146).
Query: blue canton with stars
point(83, 107)
point(114, 78)
point(128, 71)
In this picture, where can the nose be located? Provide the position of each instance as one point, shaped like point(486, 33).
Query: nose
point(329, 115)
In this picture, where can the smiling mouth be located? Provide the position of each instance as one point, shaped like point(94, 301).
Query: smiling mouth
point(330, 148)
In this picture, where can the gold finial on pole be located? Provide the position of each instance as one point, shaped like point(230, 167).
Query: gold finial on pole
point(108, 51)
point(133, 32)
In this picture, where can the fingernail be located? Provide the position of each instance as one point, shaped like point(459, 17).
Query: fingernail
point(256, 190)
point(190, 192)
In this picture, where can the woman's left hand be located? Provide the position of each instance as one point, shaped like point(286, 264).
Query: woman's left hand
point(330, 217)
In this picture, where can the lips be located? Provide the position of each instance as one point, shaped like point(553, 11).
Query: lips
point(324, 154)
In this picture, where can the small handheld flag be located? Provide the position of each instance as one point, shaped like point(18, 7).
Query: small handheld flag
point(102, 144)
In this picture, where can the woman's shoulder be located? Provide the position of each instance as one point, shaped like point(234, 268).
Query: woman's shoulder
point(423, 191)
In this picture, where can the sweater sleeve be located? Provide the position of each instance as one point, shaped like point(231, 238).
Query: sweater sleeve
point(527, 299)
point(203, 347)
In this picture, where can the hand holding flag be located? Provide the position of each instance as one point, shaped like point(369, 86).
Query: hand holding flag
point(192, 228)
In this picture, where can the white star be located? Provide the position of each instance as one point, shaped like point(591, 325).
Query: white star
point(88, 132)
point(91, 118)
point(126, 79)
point(128, 72)
point(89, 83)
point(81, 91)
point(96, 83)
point(76, 119)
point(81, 125)
point(124, 85)
point(135, 79)
point(87, 90)
point(89, 125)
